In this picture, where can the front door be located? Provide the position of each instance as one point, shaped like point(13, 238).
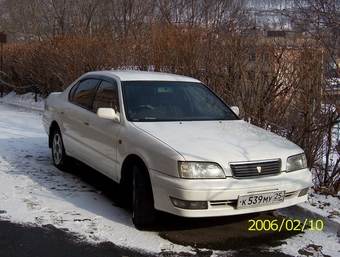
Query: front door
point(101, 135)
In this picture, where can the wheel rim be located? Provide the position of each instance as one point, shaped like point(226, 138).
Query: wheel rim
point(57, 149)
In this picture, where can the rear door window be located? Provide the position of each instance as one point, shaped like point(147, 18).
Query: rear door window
point(82, 95)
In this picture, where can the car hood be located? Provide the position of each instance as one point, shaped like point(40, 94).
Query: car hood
point(220, 141)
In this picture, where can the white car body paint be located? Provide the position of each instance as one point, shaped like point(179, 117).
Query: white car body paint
point(104, 145)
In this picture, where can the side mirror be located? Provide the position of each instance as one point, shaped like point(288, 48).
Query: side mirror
point(235, 109)
point(108, 114)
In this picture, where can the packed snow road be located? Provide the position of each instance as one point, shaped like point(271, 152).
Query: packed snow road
point(82, 201)
point(33, 191)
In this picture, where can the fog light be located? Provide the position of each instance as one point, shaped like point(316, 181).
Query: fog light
point(190, 205)
point(303, 191)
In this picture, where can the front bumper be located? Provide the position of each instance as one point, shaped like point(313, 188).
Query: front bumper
point(221, 195)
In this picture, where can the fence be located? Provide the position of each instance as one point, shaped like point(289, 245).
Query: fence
point(34, 86)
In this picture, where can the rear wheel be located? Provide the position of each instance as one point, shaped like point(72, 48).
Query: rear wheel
point(59, 157)
point(144, 212)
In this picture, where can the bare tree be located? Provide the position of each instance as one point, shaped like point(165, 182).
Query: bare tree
point(32, 20)
point(320, 19)
point(281, 83)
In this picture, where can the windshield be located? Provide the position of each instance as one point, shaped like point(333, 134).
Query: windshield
point(173, 101)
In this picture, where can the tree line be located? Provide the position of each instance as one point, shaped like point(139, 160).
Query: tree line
point(280, 81)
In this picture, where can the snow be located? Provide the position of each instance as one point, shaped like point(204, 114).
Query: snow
point(34, 192)
point(25, 100)
point(325, 206)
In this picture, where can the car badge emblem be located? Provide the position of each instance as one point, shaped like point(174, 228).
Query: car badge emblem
point(258, 169)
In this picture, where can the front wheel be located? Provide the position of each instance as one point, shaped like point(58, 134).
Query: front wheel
point(59, 157)
point(144, 212)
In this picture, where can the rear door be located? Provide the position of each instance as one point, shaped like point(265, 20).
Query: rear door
point(74, 117)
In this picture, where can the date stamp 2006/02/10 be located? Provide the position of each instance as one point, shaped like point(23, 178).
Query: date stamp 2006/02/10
point(285, 224)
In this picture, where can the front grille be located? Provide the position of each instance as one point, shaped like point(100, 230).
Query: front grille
point(256, 169)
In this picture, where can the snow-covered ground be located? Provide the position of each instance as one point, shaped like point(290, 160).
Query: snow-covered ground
point(34, 192)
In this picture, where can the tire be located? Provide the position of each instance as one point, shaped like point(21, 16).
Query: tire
point(59, 157)
point(144, 212)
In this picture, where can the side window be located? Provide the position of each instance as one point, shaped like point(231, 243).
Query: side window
point(106, 97)
point(83, 94)
point(72, 91)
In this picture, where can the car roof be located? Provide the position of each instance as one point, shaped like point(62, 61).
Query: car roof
point(133, 75)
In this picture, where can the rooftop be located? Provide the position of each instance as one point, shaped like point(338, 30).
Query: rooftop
point(133, 75)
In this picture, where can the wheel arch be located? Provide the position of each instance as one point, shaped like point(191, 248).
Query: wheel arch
point(126, 178)
point(130, 160)
point(138, 192)
point(54, 125)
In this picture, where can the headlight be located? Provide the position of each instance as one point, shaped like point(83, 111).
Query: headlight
point(200, 170)
point(296, 162)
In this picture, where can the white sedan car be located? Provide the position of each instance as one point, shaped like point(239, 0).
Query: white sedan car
point(173, 146)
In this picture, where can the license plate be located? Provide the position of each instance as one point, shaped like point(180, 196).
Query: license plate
point(245, 201)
